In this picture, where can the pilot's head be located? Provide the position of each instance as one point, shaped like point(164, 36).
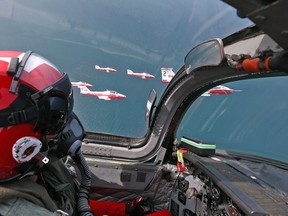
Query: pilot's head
point(36, 102)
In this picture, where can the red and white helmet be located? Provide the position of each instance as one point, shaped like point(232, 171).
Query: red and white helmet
point(35, 99)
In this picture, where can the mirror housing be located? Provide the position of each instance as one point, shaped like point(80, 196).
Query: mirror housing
point(207, 53)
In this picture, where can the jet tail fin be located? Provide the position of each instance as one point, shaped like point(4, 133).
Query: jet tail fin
point(206, 94)
point(167, 74)
point(129, 71)
point(84, 90)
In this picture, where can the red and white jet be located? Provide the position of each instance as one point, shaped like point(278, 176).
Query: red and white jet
point(103, 95)
point(141, 75)
point(80, 83)
point(106, 69)
point(219, 90)
point(167, 75)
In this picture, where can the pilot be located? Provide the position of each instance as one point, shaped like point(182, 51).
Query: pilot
point(38, 132)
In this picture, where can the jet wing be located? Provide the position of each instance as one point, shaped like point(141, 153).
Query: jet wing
point(104, 98)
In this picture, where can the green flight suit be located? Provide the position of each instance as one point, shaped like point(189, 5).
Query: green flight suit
point(54, 190)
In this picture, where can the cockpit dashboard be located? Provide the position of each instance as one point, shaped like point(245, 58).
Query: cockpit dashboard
point(213, 187)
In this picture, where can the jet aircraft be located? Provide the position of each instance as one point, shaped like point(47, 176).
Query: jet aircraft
point(141, 75)
point(80, 83)
point(167, 75)
point(107, 69)
point(227, 157)
point(103, 95)
point(219, 90)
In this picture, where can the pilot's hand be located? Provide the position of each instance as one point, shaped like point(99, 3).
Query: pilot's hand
point(133, 208)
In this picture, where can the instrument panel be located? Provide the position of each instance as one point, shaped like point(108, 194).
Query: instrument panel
point(211, 187)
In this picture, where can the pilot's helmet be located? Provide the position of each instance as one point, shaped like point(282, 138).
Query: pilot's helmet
point(36, 100)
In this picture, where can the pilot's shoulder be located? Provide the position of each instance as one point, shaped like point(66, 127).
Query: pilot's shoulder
point(20, 206)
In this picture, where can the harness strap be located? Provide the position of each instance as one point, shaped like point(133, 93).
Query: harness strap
point(9, 117)
point(16, 77)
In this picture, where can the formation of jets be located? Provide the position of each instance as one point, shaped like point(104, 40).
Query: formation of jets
point(142, 75)
point(103, 95)
point(167, 75)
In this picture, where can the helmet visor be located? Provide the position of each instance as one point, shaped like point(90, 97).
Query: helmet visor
point(55, 105)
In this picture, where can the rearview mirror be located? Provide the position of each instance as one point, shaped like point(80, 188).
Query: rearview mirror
point(208, 53)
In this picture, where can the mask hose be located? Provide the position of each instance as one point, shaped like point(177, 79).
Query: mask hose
point(76, 132)
point(85, 183)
